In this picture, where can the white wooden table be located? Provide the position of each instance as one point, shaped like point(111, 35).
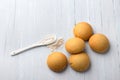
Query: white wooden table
point(23, 22)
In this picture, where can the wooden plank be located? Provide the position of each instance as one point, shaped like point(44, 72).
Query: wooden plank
point(23, 22)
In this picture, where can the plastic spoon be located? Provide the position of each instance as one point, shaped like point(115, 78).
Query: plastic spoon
point(46, 41)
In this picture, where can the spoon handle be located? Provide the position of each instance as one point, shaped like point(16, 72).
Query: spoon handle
point(23, 49)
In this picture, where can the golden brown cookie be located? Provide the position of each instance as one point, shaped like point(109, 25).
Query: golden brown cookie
point(83, 30)
point(75, 45)
point(57, 61)
point(79, 62)
point(99, 43)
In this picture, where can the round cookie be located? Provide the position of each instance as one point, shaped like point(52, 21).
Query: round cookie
point(79, 62)
point(75, 45)
point(57, 61)
point(99, 43)
point(83, 30)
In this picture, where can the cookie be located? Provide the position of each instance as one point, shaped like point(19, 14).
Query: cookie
point(74, 45)
point(83, 30)
point(99, 43)
point(79, 62)
point(57, 61)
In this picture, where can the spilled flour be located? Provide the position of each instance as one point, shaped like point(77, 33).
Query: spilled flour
point(56, 45)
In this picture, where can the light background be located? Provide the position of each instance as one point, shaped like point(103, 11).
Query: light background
point(23, 22)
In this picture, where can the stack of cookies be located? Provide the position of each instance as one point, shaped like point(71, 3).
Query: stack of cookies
point(79, 59)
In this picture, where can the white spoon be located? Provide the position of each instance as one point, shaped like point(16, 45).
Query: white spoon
point(46, 41)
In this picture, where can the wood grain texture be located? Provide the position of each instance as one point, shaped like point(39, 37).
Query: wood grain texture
point(23, 22)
